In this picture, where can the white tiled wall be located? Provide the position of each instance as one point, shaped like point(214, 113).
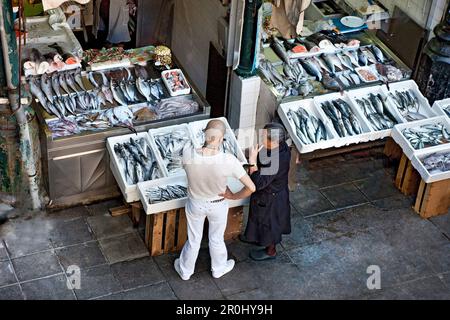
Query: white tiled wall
point(243, 105)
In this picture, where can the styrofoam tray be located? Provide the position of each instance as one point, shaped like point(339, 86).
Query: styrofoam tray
point(363, 93)
point(197, 126)
point(164, 130)
point(169, 87)
point(439, 105)
point(427, 177)
point(407, 148)
point(424, 108)
point(233, 184)
point(367, 135)
point(309, 106)
point(129, 191)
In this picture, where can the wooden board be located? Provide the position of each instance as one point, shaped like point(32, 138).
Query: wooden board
point(407, 179)
point(433, 199)
point(392, 150)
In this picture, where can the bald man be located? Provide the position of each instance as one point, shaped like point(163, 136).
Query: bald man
point(208, 169)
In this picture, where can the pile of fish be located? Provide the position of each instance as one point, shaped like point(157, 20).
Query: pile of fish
point(170, 192)
point(176, 107)
point(377, 112)
point(137, 161)
point(427, 135)
point(309, 129)
point(171, 146)
point(437, 162)
point(407, 104)
point(228, 144)
point(341, 115)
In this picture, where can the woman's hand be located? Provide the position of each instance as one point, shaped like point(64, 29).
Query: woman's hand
point(227, 194)
point(253, 154)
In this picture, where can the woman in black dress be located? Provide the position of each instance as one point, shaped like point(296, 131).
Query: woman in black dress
point(269, 215)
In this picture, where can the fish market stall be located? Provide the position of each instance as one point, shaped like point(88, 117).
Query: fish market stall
point(148, 168)
point(84, 97)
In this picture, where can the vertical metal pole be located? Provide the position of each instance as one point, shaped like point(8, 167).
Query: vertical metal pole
point(11, 67)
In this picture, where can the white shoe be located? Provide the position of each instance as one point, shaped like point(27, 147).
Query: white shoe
point(228, 267)
point(176, 264)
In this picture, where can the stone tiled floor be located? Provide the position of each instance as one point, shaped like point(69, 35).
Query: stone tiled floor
point(346, 216)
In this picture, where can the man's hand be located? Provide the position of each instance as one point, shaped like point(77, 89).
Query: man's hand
point(228, 194)
point(253, 154)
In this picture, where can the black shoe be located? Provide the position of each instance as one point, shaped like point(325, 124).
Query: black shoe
point(261, 255)
point(244, 239)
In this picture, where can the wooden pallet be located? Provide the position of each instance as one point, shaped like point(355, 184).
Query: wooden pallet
point(433, 199)
point(407, 179)
point(167, 231)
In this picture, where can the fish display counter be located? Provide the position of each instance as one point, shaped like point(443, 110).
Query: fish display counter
point(328, 62)
point(79, 109)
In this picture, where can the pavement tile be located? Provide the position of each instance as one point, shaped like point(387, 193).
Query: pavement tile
point(309, 201)
point(6, 274)
point(103, 207)
point(431, 288)
point(124, 247)
point(203, 262)
point(239, 250)
point(69, 232)
point(53, 288)
point(11, 293)
point(83, 255)
point(139, 272)
point(377, 187)
point(256, 294)
point(200, 286)
point(302, 233)
point(68, 214)
point(242, 278)
point(97, 281)
point(24, 237)
point(445, 278)
point(37, 265)
point(394, 202)
point(395, 293)
point(436, 256)
point(160, 291)
point(344, 195)
point(443, 223)
point(106, 226)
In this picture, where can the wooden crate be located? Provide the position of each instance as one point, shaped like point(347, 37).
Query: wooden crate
point(407, 179)
point(433, 199)
point(392, 150)
point(167, 231)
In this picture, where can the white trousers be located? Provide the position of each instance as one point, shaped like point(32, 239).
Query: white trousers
point(217, 214)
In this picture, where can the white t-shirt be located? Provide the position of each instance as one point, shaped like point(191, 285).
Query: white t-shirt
point(208, 175)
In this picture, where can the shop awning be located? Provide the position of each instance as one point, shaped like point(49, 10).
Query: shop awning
point(52, 4)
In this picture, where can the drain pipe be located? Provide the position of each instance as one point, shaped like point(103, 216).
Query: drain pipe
point(11, 67)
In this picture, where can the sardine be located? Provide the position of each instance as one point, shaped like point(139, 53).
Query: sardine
point(46, 86)
point(63, 83)
point(55, 84)
point(79, 80)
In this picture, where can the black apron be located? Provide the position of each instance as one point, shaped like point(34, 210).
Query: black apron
point(270, 211)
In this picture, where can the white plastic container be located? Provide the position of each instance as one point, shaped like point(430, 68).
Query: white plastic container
point(424, 108)
point(307, 105)
point(438, 107)
point(153, 208)
point(367, 133)
point(129, 192)
point(364, 93)
point(170, 88)
point(233, 184)
point(153, 133)
point(427, 177)
point(196, 131)
point(408, 149)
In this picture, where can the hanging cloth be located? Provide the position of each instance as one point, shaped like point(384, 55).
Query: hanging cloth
point(53, 4)
point(288, 16)
point(119, 16)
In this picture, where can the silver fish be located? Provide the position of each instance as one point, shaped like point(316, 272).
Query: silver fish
point(46, 86)
point(71, 81)
point(37, 92)
point(118, 95)
point(62, 83)
point(143, 88)
point(55, 84)
point(92, 79)
point(279, 49)
point(79, 80)
point(378, 53)
point(108, 94)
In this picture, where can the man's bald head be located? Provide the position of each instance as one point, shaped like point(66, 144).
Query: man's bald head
point(214, 131)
